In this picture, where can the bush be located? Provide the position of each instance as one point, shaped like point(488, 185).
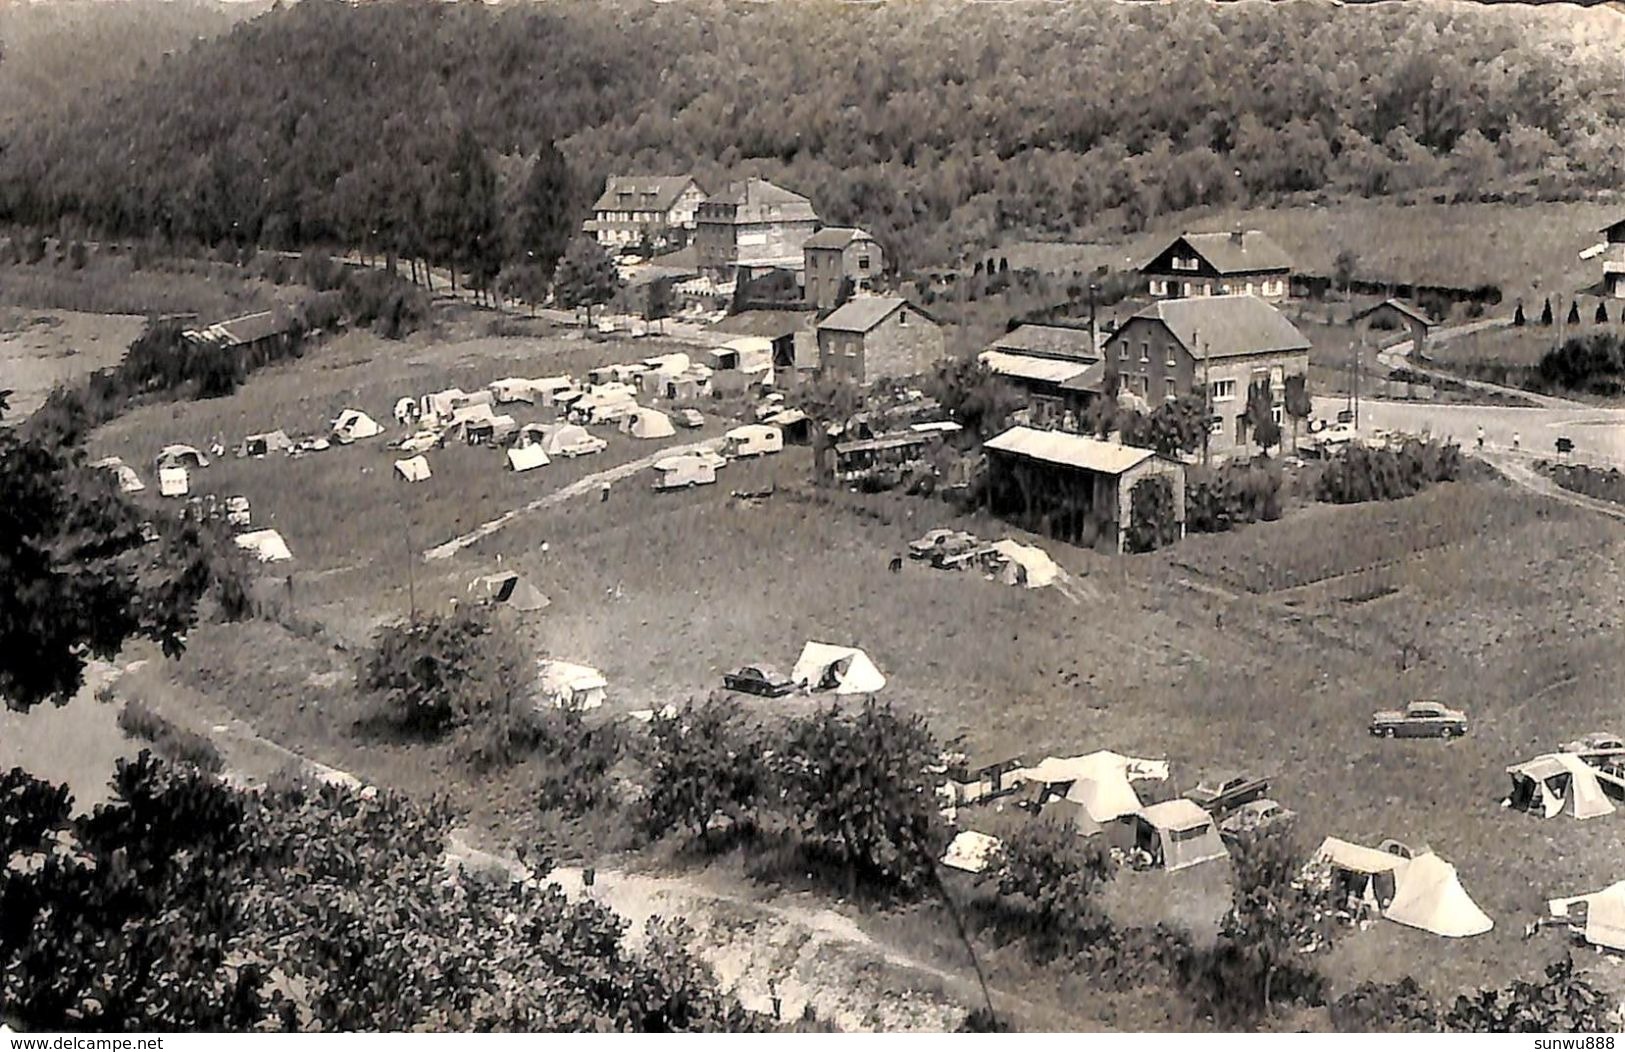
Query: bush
point(705, 761)
point(1594, 362)
point(1050, 874)
point(443, 671)
point(1151, 515)
point(1399, 1008)
point(173, 743)
point(78, 255)
point(1361, 473)
point(1233, 494)
point(575, 760)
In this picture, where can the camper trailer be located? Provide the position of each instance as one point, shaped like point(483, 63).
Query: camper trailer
point(752, 440)
point(683, 473)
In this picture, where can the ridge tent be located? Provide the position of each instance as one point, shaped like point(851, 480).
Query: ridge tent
point(1557, 783)
point(566, 685)
point(413, 469)
point(265, 443)
point(174, 482)
point(352, 425)
point(846, 670)
point(1178, 834)
point(527, 456)
point(1360, 873)
point(128, 480)
point(508, 588)
point(1099, 782)
point(178, 456)
point(643, 422)
point(267, 545)
point(1026, 564)
point(1428, 895)
point(1604, 915)
point(970, 851)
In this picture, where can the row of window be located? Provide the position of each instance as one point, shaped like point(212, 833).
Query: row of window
point(1183, 289)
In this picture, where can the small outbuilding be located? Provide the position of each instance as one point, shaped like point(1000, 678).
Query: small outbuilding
point(413, 469)
point(845, 670)
point(1397, 315)
point(1177, 834)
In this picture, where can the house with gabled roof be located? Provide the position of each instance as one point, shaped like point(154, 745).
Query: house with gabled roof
point(659, 209)
point(872, 337)
point(752, 227)
point(1613, 260)
point(1227, 343)
point(1220, 264)
point(836, 255)
point(1058, 365)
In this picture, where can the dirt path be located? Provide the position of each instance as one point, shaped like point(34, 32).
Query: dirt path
point(1397, 356)
point(1521, 472)
point(580, 488)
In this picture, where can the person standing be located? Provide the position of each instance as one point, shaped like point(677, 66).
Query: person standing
point(1481, 438)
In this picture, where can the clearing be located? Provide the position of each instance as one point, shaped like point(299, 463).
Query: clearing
point(40, 349)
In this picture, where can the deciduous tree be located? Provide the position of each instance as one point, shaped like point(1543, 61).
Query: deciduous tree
point(586, 277)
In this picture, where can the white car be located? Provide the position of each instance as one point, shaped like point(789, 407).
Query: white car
point(688, 418)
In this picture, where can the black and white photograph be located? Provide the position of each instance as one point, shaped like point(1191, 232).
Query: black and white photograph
point(811, 517)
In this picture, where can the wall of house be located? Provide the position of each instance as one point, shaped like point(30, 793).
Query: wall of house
point(904, 344)
point(772, 240)
point(1151, 363)
point(1123, 498)
point(1230, 379)
point(1272, 286)
point(861, 260)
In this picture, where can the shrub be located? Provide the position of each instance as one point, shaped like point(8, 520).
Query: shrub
point(1233, 494)
point(78, 255)
point(1152, 521)
point(1051, 873)
point(704, 761)
point(173, 743)
point(575, 760)
point(1594, 362)
point(1402, 1007)
point(1361, 473)
point(33, 248)
point(442, 671)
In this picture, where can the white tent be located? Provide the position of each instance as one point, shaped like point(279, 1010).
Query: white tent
point(179, 456)
point(267, 545)
point(1098, 782)
point(508, 588)
point(1604, 915)
point(847, 670)
point(643, 422)
point(1558, 783)
point(174, 482)
point(1026, 564)
point(406, 411)
point(413, 469)
point(569, 686)
point(970, 851)
point(353, 424)
point(525, 457)
point(1179, 833)
point(265, 443)
point(128, 480)
point(1428, 895)
point(441, 403)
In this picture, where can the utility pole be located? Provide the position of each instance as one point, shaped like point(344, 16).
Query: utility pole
point(1207, 398)
point(1359, 353)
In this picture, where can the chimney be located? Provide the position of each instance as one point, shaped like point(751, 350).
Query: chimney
point(1236, 236)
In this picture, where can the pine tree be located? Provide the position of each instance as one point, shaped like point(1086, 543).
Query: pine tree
point(1574, 312)
point(1517, 316)
point(586, 277)
point(1546, 312)
point(544, 225)
point(1602, 313)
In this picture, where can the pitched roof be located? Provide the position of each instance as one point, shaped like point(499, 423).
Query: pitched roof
point(865, 312)
point(1402, 307)
point(646, 193)
point(837, 237)
point(248, 328)
point(1178, 813)
point(1077, 451)
point(1242, 252)
point(759, 193)
point(769, 324)
point(1033, 367)
point(1049, 341)
point(1226, 326)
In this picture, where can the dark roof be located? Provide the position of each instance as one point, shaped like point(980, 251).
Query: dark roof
point(1091, 380)
point(1227, 326)
point(757, 192)
point(1618, 226)
point(247, 329)
point(649, 193)
point(1242, 252)
point(1049, 341)
point(865, 312)
point(1402, 307)
point(768, 324)
point(896, 440)
point(837, 237)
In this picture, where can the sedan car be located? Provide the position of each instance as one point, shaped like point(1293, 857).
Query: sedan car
point(1594, 743)
point(1219, 795)
point(937, 542)
point(1255, 817)
point(765, 680)
point(688, 418)
point(1420, 719)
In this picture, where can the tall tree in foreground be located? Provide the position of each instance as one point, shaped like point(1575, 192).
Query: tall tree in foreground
point(1260, 416)
point(544, 222)
point(586, 277)
point(1299, 406)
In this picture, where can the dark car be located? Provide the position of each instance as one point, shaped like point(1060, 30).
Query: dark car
point(1222, 795)
point(938, 542)
point(765, 680)
point(1421, 719)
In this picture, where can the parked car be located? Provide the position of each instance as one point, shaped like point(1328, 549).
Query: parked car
point(1596, 743)
point(577, 445)
point(1221, 795)
point(936, 540)
point(1255, 817)
point(765, 680)
point(688, 418)
point(1420, 719)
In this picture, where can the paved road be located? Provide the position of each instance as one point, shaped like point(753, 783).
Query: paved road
point(1598, 434)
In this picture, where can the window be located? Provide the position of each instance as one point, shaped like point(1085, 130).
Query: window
point(863, 262)
point(902, 318)
point(1275, 415)
point(1172, 362)
point(1145, 352)
point(1215, 425)
point(1222, 390)
point(1157, 287)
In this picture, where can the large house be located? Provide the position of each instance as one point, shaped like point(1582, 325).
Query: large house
point(835, 255)
point(871, 337)
point(1242, 261)
point(1226, 342)
point(1058, 365)
point(750, 227)
point(633, 209)
point(1613, 261)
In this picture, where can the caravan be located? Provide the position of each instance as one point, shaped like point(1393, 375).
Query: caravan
point(683, 472)
point(752, 440)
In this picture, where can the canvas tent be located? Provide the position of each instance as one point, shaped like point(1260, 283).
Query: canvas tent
point(1558, 783)
point(970, 851)
point(413, 469)
point(1098, 782)
point(570, 686)
point(569, 436)
point(1178, 834)
point(643, 422)
point(267, 545)
point(265, 443)
point(352, 425)
point(179, 456)
point(1026, 564)
point(173, 482)
point(128, 480)
point(846, 670)
point(1603, 920)
point(443, 403)
point(509, 589)
point(1429, 896)
point(526, 457)
point(1360, 873)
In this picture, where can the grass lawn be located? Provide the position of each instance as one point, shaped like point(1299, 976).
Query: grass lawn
point(40, 349)
point(1511, 345)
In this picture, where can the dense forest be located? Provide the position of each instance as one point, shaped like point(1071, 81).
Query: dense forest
point(935, 125)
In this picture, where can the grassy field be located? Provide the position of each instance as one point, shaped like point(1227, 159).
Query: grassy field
point(42, 348)
point(1515, 606)
point(1524, 249)
point(1513, 346)
point(111, 284)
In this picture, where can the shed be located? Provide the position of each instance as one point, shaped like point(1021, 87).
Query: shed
point(1397, 314)
point(413, 469)
point(1178, 834)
